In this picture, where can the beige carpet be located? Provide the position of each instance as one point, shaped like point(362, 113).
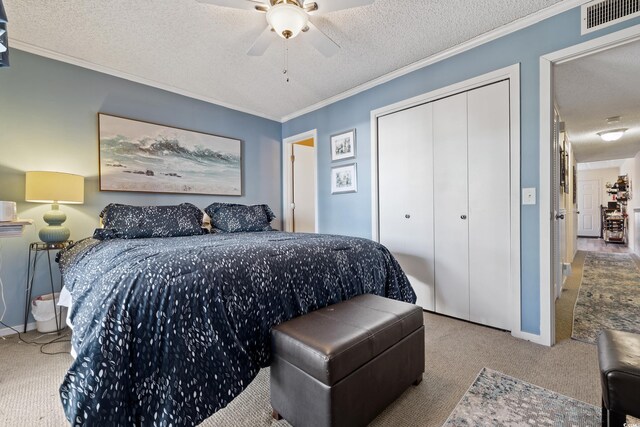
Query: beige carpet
point(455, 352)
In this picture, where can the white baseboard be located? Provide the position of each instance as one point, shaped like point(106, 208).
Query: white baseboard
point(7, 331)
point(537, 339)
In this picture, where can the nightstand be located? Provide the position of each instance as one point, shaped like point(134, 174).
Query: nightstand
point(35, 249)
point(13, 228)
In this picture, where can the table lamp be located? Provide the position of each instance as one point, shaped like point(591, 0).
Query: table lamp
point(54, 188)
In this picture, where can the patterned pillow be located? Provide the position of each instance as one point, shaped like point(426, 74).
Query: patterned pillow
point(232, 218)
point(134, 222)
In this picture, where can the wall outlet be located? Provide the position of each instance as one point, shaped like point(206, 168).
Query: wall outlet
point(528, 196)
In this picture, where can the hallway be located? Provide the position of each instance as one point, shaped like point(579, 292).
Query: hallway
point(565, 305)
point(595, 244)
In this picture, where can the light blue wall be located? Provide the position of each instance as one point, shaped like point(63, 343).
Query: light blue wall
point(48, 121)
point(351, 213)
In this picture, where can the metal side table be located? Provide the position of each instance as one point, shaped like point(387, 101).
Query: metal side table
point(34, 249)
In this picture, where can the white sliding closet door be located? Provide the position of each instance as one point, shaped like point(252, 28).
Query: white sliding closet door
point(489, 205)
point(450, 206)
point(444, 182)
point(405, 185)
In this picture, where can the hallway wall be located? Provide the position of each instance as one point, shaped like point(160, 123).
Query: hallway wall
point(566, 202)
point(635, 215)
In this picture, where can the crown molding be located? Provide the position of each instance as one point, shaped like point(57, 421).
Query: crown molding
point(27, 47)
point(512, 27)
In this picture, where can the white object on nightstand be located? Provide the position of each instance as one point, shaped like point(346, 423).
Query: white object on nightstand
point(8, 211)
point(9, 229)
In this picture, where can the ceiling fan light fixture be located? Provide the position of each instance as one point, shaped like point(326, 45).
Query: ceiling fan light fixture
point(612, 135)
point(287, 19)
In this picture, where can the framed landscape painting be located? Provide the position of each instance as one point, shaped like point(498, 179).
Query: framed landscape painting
point(147, 157)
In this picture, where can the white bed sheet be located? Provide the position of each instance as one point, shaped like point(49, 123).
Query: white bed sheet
point(66, 300)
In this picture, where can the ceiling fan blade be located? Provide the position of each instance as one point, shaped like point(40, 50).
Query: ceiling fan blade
point(325, 6)
point(261, 44)
point(321, 41)
point(235, 4)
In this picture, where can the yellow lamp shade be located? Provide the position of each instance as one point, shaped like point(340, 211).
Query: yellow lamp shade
point(54, 187)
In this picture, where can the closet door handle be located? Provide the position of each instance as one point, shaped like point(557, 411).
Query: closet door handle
point(463, 217)
point(560, 216)
point(407, 216)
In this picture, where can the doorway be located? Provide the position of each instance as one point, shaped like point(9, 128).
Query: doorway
point(607, 211)
point(300, 194)
point(588, 207)
point(577, 201)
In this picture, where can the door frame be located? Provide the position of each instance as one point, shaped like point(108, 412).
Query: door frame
point(547, 295)
point(513, 74)
point(287, 177)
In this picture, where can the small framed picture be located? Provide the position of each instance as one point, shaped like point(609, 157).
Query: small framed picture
point(344, 179)
point(343, 145)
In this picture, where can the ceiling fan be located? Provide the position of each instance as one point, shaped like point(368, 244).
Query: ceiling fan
point(288, 18)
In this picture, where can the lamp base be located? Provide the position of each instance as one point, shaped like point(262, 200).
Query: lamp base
point(54, 232)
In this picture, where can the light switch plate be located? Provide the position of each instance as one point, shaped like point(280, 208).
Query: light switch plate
point(528, 196)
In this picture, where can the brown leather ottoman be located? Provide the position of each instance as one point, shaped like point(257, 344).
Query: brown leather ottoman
point(343, 364)
point(619, 360)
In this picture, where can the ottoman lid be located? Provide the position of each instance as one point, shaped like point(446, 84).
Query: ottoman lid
point(332, 342)
point(619, 360)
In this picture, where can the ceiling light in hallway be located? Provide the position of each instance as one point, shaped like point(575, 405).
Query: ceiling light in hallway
point(612, 135)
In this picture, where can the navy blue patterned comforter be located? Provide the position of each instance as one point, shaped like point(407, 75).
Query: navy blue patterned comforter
point(170, 330)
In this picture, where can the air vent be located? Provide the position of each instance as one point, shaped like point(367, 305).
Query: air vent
point(602, 13)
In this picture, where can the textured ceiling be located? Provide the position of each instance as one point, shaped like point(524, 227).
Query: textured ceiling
point(591, 89)
point(200, 48)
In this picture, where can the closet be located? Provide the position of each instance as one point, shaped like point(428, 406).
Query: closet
point(444, 201)
point(405, 179)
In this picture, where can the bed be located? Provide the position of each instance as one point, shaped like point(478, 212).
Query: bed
point(169, 330)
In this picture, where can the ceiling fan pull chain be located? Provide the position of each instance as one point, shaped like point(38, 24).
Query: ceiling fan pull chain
point(286, 61)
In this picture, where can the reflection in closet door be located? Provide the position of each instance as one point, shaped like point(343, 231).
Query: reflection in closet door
point(450, 206)
point(405, 185)
point(489, 205)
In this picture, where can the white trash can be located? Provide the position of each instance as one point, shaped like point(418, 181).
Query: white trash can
point(42, 309)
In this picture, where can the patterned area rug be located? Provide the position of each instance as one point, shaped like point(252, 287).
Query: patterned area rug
point(496, 399)
point(609, 296)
